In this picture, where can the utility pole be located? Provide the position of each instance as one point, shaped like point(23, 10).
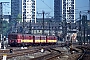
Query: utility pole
point(49, 27)
point(43, 13)
point(1, 18)
point(1, 23)
point(43, 23)
point(84, 25)
point(80, 30)
point(89, 10)
point(64, 28)
point(23, 31)
point(70, 19)
point(71, 45)
point(30, 27)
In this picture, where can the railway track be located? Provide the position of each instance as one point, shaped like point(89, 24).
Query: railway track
point(85, 52)
point(20, 52)
point(57, 55)
point(29, 53)
point(47, 57)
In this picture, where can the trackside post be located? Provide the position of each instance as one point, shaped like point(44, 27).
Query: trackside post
point(4, 56)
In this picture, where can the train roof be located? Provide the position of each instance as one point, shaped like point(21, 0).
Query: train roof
point(18, 34)
point(31, 34)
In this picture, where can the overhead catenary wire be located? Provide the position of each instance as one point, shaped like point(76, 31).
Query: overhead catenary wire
point(47, 5)
point(83, 7)
point(44, 8)
point(76, 12)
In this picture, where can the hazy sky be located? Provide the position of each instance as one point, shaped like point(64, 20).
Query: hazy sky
point(48, 6)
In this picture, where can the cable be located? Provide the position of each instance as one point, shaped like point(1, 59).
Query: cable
point(83, 7)
point(47, 5)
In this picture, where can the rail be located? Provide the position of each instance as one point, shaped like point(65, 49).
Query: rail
point(22, 52)
point(81, 56)
point(84, 49)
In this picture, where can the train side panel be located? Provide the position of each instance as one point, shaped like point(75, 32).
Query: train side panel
point(37, 40)
point(51, 39)
point(27, 39)
point(43, 39)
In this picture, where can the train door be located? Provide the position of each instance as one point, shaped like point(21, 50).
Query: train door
point(51, 39)
point(37, 40)
point(43, 40)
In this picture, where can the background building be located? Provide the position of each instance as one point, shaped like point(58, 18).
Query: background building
point(64, 9)
point(57, 10)
point(24, 9)
point(0, 8)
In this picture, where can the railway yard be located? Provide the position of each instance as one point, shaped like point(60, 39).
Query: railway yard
point(44, 30)
point(51, 52)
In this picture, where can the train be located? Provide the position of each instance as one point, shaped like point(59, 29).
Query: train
point(15, 39)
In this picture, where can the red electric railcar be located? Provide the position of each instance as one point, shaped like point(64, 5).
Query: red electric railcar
point(27, 39)
point(20, 39)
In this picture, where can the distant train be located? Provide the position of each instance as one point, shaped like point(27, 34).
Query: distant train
point(16, 39)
